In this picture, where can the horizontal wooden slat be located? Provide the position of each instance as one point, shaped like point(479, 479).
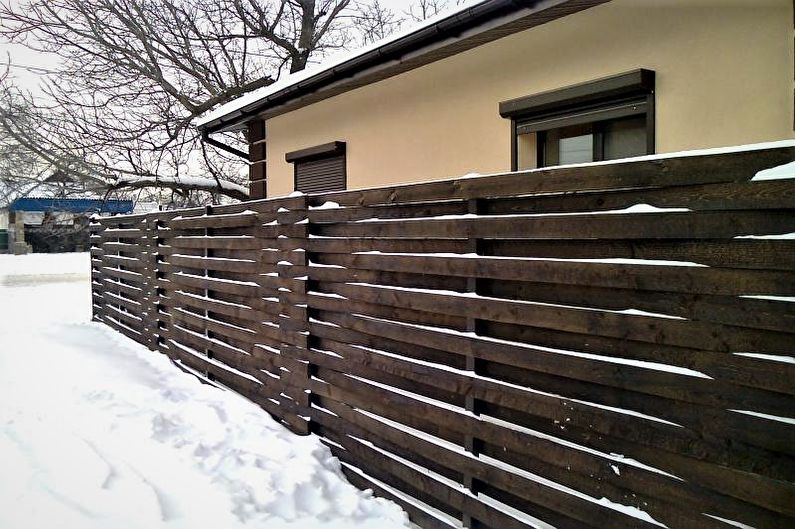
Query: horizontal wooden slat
point(775, 194)
point(131, 291)
point(221, 328)
point(211, 283)
point(695, 225)
point(210, 263)
point(420, 379)
point(692, 170)
point(643, 328)
point(126, 234)
point(122, 261)
point(231, 220)
point(212, 305)
point(242, 242)
point(122, 274)
point(398, 211)
point(121, 247)
point(531, 491)
point(657, 277)
point(397, 406)
point(571, 462)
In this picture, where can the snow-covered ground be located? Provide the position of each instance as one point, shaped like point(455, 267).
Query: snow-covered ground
point(96, 431)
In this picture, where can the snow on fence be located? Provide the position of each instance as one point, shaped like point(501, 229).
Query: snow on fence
point(591, 347)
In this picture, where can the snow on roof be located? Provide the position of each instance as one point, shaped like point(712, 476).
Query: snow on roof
point(331, 62)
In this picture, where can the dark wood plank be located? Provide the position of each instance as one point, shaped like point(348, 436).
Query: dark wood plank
point(689, 225)
point(231, 220)
point(688, 170)
point(650, 329)
point(663, 278)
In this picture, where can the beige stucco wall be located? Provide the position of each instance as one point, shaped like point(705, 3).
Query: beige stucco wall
point(724, 77)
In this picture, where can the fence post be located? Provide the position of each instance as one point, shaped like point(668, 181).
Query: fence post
point(95, 229)
point(471, 442)
point(293, 237)
point(149, 284)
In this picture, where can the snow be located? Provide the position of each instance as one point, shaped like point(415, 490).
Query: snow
point(38, 268)
point(625, 509)
point(785, 420)
point(781, 172)
point(614, 260)
point(326, 205)
point(454, 293)
point(98, 432)
point(786, 299)
point(208, 183)
point(773, 358)
point(730, 522)
point(636, 208)
point(782, 236)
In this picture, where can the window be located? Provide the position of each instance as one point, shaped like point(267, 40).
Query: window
point(319, 169)
point(601, 120)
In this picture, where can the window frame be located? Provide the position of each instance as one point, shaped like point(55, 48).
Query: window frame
point(607, 98)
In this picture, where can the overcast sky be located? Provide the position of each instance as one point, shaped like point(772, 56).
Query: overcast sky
point(24, 60)
point(26, 63)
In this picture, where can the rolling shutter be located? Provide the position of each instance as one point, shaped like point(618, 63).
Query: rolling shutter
point(319, 169)
point(319, 175)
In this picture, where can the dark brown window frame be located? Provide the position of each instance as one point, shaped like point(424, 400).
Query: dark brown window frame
point(318, 152)
point(607, 97)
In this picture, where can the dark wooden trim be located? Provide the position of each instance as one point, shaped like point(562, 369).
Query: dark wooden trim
point(514, 147)
point(635, 82)
point(651, 124)
point(224, 147)
point(606, 111)
point(333, 148)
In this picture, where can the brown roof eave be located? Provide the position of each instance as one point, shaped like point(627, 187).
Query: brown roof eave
point(472, 27)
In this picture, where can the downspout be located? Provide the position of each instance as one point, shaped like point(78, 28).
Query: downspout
point(224, 147)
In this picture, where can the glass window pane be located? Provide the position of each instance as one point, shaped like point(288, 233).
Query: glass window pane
point(576, 149)
point(572, 144)
point(624, 138)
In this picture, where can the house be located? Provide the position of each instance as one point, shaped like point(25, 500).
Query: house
point(61, 184)
point(503, 85)
point(44, 224)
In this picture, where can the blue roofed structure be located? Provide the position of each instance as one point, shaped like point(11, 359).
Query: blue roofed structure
point(71, 205)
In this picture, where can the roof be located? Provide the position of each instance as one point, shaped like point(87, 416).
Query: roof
point(71, 205)
point(60, 177)
point(471, 24)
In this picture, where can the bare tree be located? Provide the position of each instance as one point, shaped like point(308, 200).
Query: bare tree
point(375, 21)
point(135, 73)
point(21, 170)
point(425, 9)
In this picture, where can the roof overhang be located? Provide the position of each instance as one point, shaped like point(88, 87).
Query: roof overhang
point(463, 30)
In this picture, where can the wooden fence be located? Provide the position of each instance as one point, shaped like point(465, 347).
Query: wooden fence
point(505, 351)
